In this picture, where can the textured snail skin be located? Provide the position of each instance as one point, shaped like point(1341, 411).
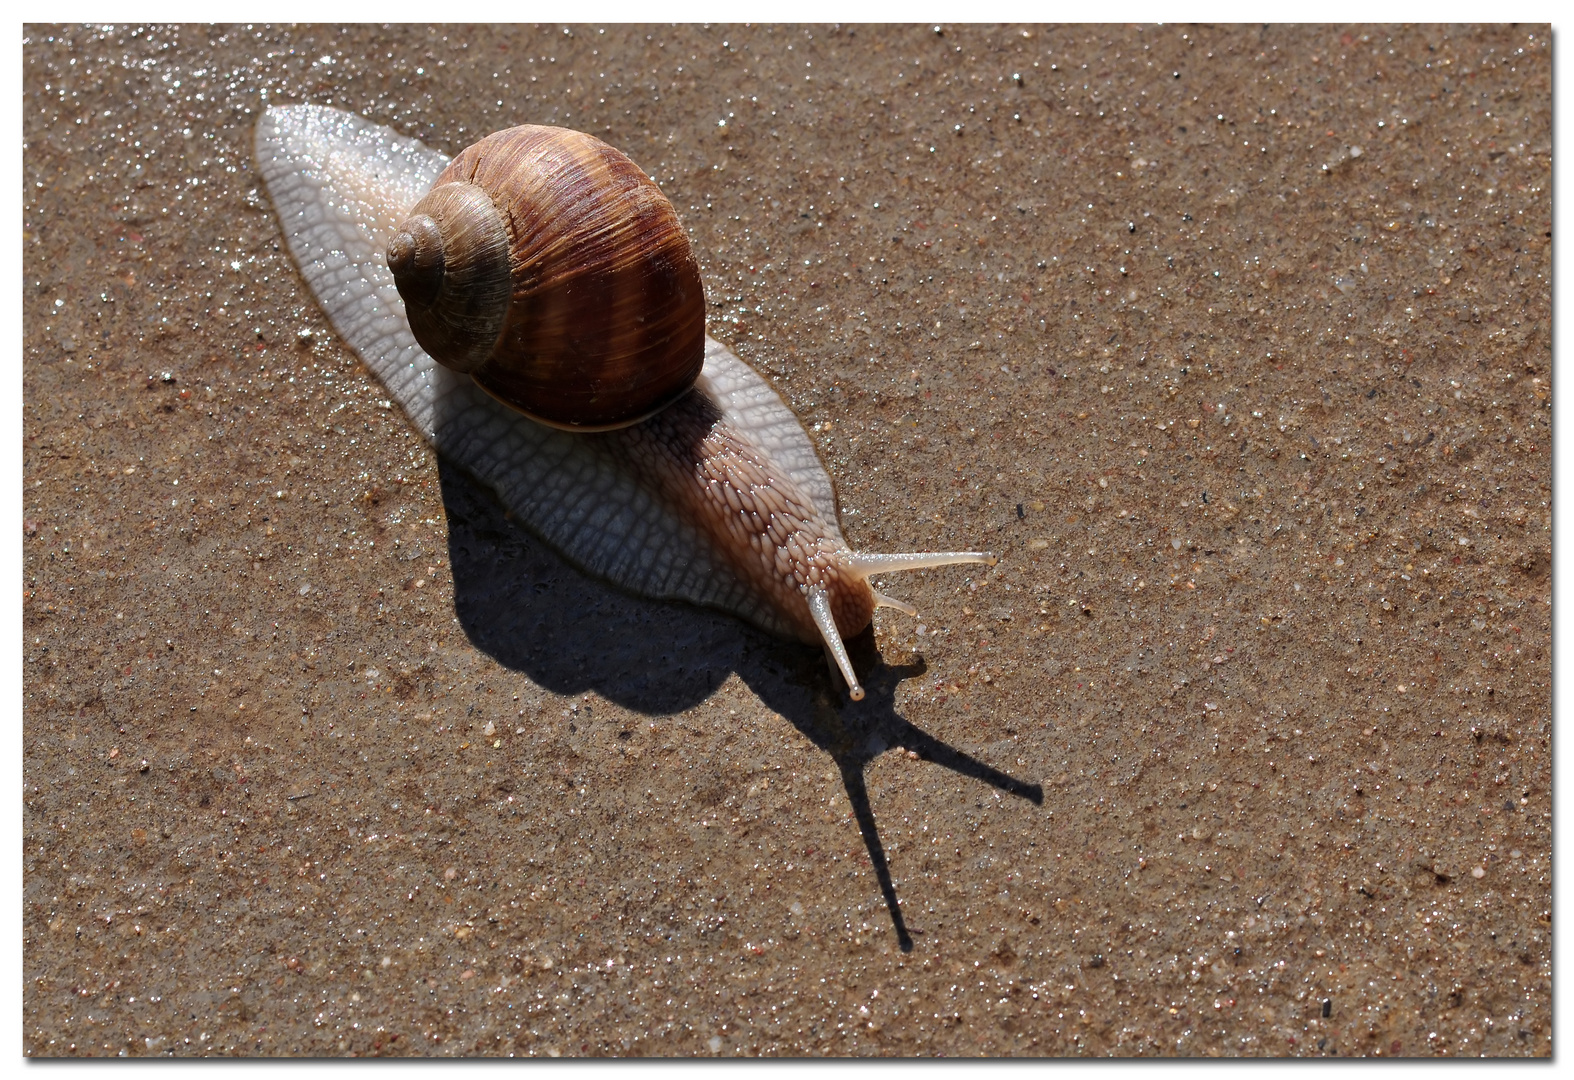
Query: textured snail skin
point(719, 499)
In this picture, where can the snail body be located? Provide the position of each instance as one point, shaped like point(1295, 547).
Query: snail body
point(701, 487)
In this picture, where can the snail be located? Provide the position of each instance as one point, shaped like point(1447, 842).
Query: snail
point(534, 307)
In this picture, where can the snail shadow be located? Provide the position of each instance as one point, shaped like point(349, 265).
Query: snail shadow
point(532, 611)
point(522, 604)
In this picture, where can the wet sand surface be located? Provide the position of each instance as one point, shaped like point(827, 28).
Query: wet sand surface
point(1233, 344)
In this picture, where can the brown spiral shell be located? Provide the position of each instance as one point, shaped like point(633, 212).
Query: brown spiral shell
point(549, 267)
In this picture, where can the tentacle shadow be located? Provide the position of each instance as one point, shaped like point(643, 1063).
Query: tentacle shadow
point(520, 602)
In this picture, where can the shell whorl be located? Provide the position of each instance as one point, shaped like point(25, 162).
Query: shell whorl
point(450, 261)
point(603, 322)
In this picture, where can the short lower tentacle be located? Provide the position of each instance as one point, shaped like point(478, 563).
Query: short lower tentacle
point(881, 600)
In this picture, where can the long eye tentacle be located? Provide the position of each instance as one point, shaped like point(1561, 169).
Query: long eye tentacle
point(820, 611)
point(866, 566)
